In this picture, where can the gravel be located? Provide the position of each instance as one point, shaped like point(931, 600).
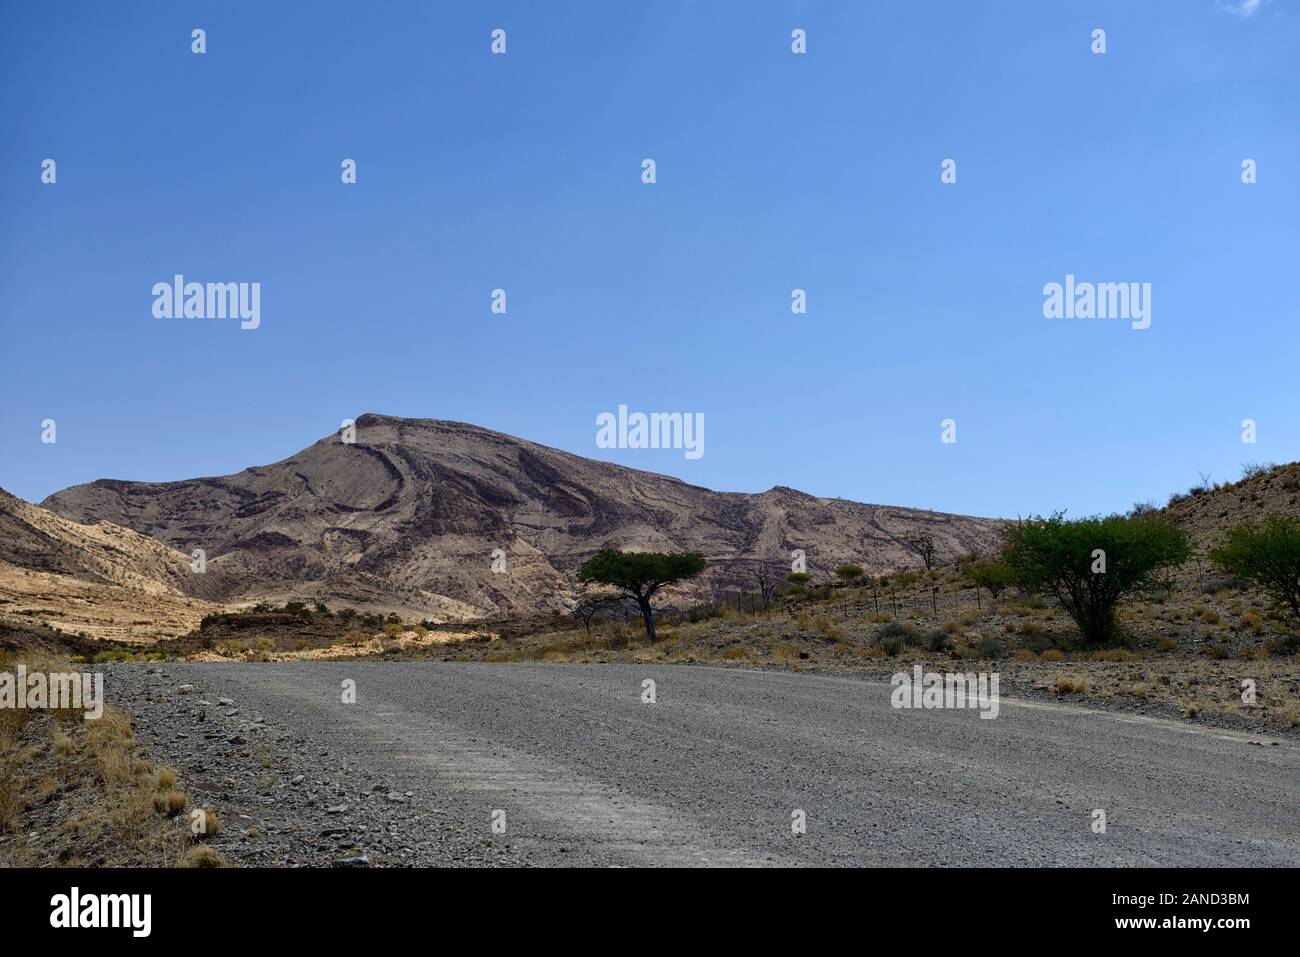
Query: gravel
point(527, 764)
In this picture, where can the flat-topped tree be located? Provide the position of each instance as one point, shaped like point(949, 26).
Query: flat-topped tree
point(639, 575)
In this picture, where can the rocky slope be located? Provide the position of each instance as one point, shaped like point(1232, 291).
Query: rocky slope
point(406, 518)
point(1208, 513)
point(100, 579)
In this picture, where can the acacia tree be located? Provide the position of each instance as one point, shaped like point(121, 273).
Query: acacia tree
point(1268, 555)
point(849, 574)
point(1090, 565)
point(639, 575)
point(993, 576)
point(923, 544)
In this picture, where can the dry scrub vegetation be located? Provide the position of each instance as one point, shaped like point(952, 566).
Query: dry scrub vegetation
point(1191, 641)
point(77, 793)
point(1187, 649)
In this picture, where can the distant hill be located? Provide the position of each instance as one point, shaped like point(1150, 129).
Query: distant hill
point(406, 518)
point(102, 580)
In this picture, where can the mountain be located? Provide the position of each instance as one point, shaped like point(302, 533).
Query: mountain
point(406, 519)
point(101, 580)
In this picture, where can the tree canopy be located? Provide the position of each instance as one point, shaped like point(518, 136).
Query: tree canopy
point(640, 574)
point(1266, 554)
point(1090, 565)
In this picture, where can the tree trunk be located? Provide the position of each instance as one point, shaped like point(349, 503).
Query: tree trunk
point(649, 616)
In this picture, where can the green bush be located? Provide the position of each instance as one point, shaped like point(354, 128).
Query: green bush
point(1267, 555)
point(1057, 557)
point(993, 577)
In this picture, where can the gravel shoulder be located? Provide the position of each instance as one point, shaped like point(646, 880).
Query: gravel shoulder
point(440, 764)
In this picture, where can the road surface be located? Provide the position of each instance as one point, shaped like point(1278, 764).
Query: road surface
point(531, 764)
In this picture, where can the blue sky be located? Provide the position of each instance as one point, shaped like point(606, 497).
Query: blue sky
point(775, 171)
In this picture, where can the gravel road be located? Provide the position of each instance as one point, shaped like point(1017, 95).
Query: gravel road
point(524, 764)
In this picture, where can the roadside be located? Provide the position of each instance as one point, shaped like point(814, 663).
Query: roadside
point(286, 798)
point(581, 770)
point(77, 792)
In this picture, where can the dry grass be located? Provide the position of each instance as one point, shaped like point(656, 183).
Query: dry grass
point(78, 793)
point(1072, 684)
point(205, 824)
point(1191, 640)
point(170, 803)
point(203, 856)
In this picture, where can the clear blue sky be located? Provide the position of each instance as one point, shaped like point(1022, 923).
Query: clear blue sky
point(775, 171)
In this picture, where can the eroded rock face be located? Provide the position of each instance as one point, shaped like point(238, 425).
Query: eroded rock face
point(96, 579)
point(407, 517)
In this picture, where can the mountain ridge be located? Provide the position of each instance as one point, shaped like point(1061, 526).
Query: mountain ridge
point(408, 516)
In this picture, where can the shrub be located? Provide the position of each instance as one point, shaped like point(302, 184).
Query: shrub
point(937, 641)
point(849, 573)
point(170, 803)
point(994, 577)
point(990, 647)
point(1216, 584)
point(896, 629)
point(1250, 470)
point(204, 856)
point(828, 628)
point(1057, 556)
point(1112, 654)
point(1285, 645)
point(1268, 555)
point(211, 825)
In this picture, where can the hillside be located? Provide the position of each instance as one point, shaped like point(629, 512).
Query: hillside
point(406, 518)
point(1208, 513)
point(101, 580)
